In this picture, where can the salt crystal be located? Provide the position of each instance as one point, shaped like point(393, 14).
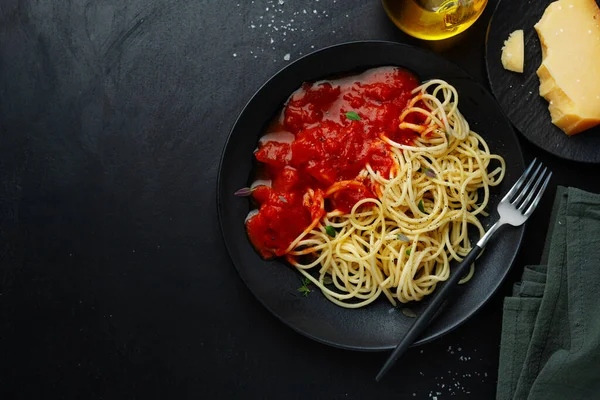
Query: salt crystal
point(287, 57)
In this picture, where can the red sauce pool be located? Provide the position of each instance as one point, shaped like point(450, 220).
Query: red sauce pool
point(326, 133)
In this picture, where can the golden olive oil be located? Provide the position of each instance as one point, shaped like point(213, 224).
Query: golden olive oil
point(434, 19)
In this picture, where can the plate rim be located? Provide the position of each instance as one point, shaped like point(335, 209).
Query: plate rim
point(421, 341)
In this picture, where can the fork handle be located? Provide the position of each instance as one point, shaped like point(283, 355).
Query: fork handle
point(434, 305)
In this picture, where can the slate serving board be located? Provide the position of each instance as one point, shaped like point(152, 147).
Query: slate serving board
point(518, 94)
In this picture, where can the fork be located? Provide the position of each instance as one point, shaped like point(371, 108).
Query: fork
point(514, 209)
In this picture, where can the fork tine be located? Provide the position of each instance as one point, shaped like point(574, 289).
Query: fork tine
point(538, 197)
point(533, 190)
point(519, 183)
point(527, 187)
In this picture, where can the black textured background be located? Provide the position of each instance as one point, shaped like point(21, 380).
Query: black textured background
point(114, 280)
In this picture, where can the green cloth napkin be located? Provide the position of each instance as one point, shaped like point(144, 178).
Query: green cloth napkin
point(550, 347)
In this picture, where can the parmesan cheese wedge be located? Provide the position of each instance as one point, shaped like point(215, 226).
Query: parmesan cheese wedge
point(513, 52)
point(569, 32)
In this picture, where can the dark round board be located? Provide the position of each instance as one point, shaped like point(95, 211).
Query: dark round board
point(378, 326)
point(518, 93)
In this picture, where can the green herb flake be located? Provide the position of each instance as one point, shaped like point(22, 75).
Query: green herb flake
point(330, 230)
point(409, 313)
point(403, 238)
point(304, 288)
point(353, 116)
point(408, 251)
point(421, 206)
point(430, 173)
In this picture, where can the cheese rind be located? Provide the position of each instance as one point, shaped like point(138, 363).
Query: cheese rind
point(569, 32)
point(513, 52)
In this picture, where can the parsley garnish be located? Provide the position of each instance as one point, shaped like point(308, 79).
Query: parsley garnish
point(353, 116)
point(409, 313)
point(421, 206)
point(430, 173)
point(304, 288)
point(408, 251)
point(403, 238)
point(330, 230)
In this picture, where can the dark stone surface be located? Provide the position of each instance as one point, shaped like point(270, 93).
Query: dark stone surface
point(114, 280)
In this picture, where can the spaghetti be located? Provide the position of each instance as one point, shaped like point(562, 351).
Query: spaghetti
point(391, 229)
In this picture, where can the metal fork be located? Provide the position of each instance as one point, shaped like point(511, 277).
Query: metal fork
point(514, 209)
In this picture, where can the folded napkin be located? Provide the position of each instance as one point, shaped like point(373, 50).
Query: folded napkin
point(550, 347)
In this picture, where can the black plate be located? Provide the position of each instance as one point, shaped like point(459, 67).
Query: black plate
point(377, 326)
point(518, 94)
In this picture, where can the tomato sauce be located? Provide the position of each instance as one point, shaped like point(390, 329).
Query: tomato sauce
point(326, 133)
